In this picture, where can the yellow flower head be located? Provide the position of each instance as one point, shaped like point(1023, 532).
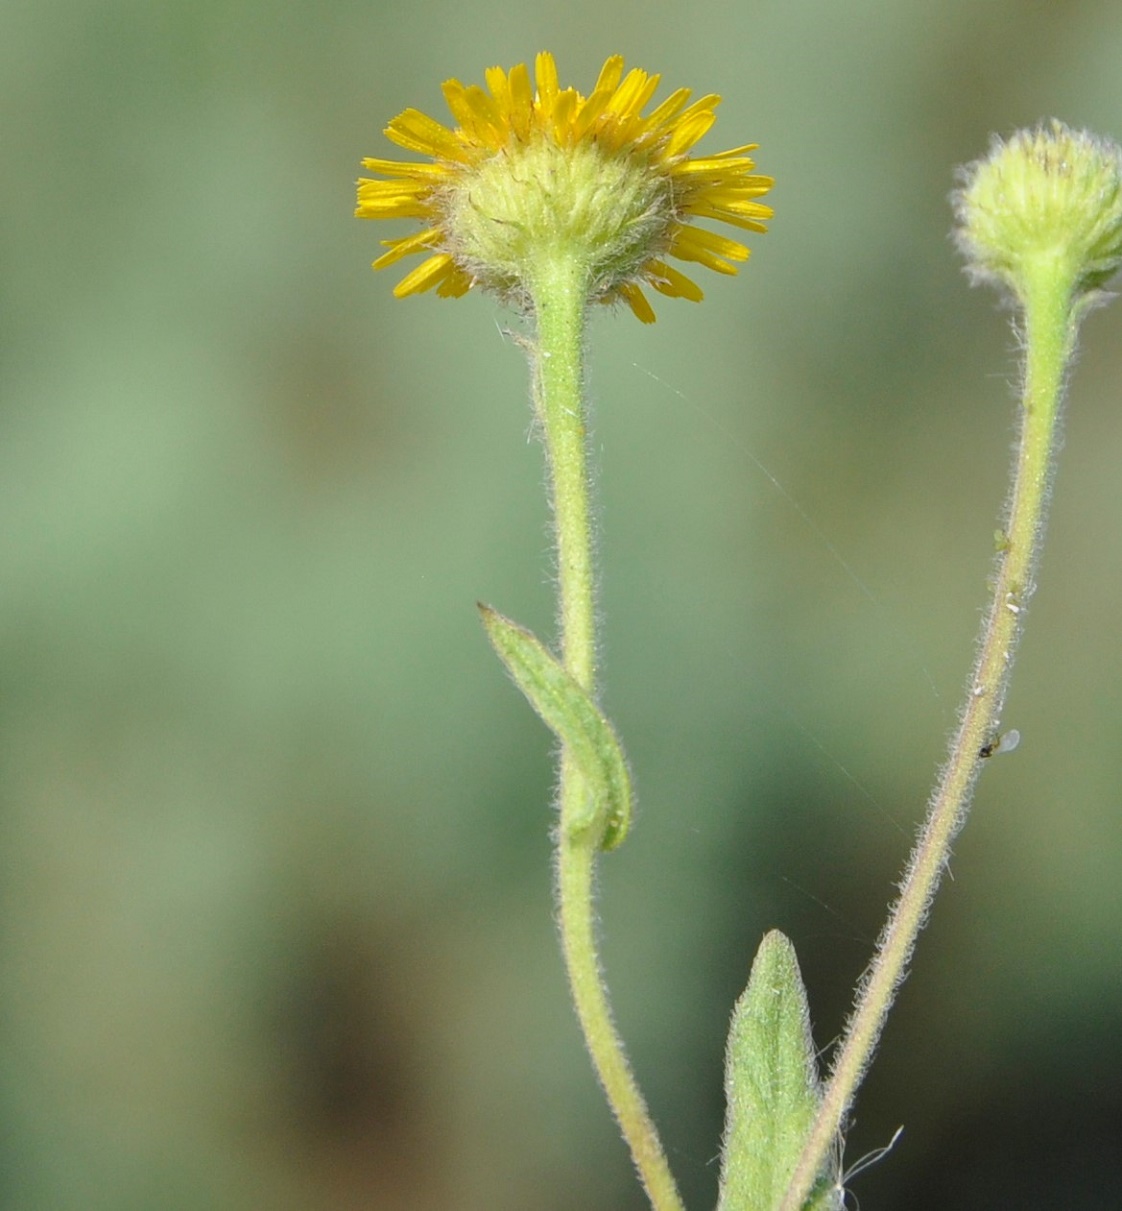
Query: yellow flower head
point(529, 176)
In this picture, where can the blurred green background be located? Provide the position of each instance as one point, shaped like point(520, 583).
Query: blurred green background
point(275, 917)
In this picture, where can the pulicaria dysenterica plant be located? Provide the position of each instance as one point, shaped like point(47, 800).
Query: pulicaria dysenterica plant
point(554, 201)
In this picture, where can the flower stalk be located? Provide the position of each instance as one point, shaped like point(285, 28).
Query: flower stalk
point(1049, 335)
point(1043, 217)
point(559, 290)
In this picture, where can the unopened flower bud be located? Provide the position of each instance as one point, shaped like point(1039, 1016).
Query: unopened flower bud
point(1047, 197)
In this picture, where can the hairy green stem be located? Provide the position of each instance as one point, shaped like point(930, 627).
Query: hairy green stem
point(560, 306)
point(1050, 320)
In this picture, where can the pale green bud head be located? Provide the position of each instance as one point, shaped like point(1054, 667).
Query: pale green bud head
point(1047, 196)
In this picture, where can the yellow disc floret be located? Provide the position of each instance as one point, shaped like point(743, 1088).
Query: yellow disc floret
point(531, 174)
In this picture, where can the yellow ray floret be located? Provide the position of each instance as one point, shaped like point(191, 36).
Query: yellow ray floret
point(532, 168)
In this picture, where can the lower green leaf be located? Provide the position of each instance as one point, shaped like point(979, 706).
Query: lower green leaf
point(771, 1086)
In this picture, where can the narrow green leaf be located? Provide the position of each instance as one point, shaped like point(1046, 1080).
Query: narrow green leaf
point(771, 1086)
point(570, 713)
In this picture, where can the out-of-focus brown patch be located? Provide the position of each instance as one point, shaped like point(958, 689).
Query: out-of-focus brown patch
point(364, 1107)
